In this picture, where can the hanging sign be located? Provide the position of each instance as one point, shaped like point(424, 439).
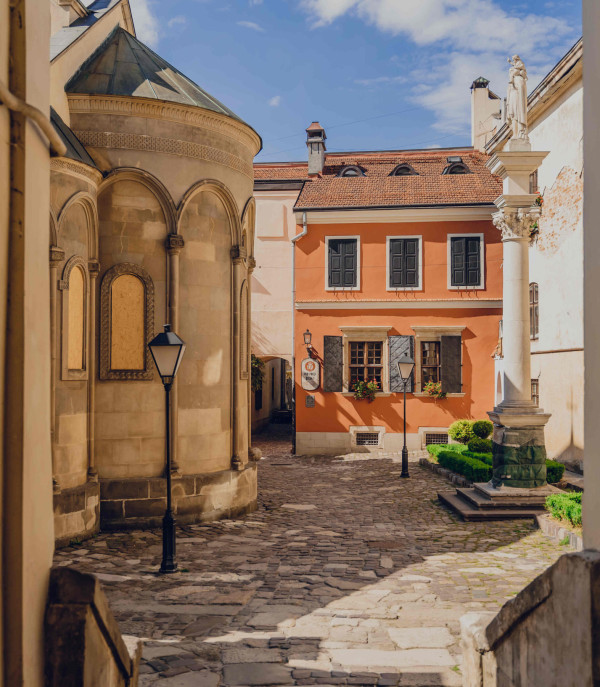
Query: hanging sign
point(311, 374)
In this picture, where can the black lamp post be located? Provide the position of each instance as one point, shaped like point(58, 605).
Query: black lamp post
point(308, 342)
point(167, 351)
point(405, 368)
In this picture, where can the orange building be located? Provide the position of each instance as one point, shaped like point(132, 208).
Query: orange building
point(396, 254)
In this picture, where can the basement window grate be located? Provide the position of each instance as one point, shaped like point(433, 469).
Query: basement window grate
point(436, 438)
point(367, 438)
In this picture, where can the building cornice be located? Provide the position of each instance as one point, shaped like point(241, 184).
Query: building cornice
point(468, 213)
point(149, 108)
point(74, 168)
point(396, 304)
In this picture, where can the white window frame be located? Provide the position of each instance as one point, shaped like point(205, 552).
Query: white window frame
point(366, 334)
point(342, 288)
point(433, 333)
point(481, 284)
point(387, 264)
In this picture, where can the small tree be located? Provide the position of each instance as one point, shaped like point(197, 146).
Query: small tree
point(258, 373)
point(461, 431)
point(483, 428)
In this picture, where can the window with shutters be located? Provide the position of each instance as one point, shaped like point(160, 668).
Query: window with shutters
point(342, 269)
point(465, 261)
point(438, 357)
point(366, 362)
point(430, 362)
point(404, 263)
point(534, 311)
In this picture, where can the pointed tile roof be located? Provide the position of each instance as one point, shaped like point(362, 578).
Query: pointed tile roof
point(123, 65)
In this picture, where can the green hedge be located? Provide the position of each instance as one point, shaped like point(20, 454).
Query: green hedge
point(436, 449)
point(478, 445)
point(471, 468)
point(555, 471)
point(565, 506)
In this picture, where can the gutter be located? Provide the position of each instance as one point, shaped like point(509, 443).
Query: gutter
point(17, 105)
point(294, 240)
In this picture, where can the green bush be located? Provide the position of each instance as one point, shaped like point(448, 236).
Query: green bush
point(471, 468)
point(554, 471)
point(435, 449)
point(483, 428)
point(565, 506)
point(461, 431)
point(478, 445)
point(483, 457)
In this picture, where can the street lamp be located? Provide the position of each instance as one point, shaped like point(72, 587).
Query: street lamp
point(405, 368)
point(308, 342)
point(167, 351)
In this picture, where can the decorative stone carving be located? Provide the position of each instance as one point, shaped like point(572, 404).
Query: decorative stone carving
point(57, 255)
point(251, 265)
point(93, 268)
point(238, 254)
point(105, 322)
point(515, 223)
point(74, 168)
point(174, 243)
point(516, 99)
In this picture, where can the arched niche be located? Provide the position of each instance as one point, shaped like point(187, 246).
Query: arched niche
point(244, 331)
point(127, 323)
point(74, 288)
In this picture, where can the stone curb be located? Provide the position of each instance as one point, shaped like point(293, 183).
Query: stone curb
point(553, 529)
point(448, 474)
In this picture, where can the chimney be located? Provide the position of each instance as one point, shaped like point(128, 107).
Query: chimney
point(315, 142)
point(64, 12)
point(486, 111)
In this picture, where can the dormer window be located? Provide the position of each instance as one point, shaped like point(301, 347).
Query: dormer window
point(351, 172)
point(404, 170)
point(456, 166)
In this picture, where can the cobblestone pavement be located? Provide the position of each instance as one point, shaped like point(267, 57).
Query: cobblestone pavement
point(346, 574)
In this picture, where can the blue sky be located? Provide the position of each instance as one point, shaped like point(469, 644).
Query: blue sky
point(377, 74)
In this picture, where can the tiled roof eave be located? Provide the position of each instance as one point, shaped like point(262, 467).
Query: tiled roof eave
point(299, 208)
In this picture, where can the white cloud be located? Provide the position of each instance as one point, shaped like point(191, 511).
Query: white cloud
point(275, 101)
point(250, 25)
point(146, 24)
point(179, 20)
point(479, 35)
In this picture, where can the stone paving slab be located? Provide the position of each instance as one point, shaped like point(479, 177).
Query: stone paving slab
point(364, 584)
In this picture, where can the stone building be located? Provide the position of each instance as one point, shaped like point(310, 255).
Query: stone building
point(555, 115)
point(151, 222)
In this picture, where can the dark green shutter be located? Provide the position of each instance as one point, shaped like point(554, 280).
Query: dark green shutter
point(465, 258)
point(400, 346)
point(451, 359)
point(342, 263)
point(404, 263)
point(333, 363)
point(457, 257)
point(412, 263)
point(473, 260)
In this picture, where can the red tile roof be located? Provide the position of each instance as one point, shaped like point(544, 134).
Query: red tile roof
point(272, 171)
point(378, 189)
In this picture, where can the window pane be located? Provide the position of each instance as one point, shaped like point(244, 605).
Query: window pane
point(430, 362)
point(127, 333)
point(75, 338)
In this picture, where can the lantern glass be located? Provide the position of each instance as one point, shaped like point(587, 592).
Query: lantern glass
point(167, 351)
point(405, 367)
point(307, 338)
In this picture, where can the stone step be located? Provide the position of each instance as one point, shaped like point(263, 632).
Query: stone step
point(469, 512)
point(479, 499)
point(513, 497)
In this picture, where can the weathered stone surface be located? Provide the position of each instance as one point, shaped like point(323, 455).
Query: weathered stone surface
point(257, 674)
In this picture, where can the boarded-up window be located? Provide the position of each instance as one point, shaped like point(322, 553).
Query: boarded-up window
point(76, 321)
point(127, 332)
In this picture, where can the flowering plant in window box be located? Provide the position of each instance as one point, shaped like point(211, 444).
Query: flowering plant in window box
point(366, 390)
point(539, 200)
point(434, 389)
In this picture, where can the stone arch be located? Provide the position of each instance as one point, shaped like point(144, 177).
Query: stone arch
point(249, 224)
point(53, 229)
point(224, 194)
point(110, 276)
point(69, 372)
point(88, 204)
point(154, 185)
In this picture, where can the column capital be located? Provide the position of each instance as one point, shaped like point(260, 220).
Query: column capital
point(94, 268)
point(251, 265)
point(174, 243)
point(238, 254)
point(516, 223)
point(57, 255)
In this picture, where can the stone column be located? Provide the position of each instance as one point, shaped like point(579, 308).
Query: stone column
point(518, 443)
point(251, 268)
point(238, 256)
point(93, 270)
point(174, 243)
point(57, 256)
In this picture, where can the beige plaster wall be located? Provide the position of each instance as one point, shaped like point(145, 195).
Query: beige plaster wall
point(205, 377)
point(272, 278)
point(129, 420)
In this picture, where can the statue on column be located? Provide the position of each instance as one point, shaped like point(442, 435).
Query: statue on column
point(516, 100)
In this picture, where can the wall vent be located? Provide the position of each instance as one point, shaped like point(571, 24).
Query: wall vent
point(435, 438)
point(367, 438)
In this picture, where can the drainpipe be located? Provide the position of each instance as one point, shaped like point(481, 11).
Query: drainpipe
point(296, 238)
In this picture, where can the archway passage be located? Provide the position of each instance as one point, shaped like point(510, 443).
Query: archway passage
point(271, 402)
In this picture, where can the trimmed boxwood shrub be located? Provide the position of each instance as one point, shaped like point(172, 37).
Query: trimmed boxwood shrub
point(461, 431)
point(565, 506)
point(554, 471)
point(483, 457)
point(483, 428)
point(435, 449)
point(478, 445)
point(471, 468)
